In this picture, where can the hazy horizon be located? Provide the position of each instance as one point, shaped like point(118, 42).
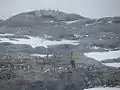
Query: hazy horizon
point(87, 8)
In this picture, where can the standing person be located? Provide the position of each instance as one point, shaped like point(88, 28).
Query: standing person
point(73, 58)
point(47, 56)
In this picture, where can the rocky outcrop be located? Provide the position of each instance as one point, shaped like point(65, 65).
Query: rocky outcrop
point(39, 17)
point(1, 20)
point(59, 77)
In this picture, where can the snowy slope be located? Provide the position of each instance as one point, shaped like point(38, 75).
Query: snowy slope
point(36, 41)
point(107, 88)
point(101, 56)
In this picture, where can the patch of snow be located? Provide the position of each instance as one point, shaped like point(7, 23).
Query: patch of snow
point(111, 37)
point(103, 55)
point(28, 66)
point(102, 88)
point(46, 70)
point(100, 39)
point(60, 68)
point(109, 22)
point(73, 27)
point(117, 48)
point(89, 24)
point(104, 35)
point(70, 22)
point(95, 47)
point(86, 35)
point(41, 55)
point(37, 41)
point(107, 49)
point(77, 35)
point(46, 36)
point(117, 37)
point(112, 64)
point(48, 21)
point(7, 34)
point(65, 27)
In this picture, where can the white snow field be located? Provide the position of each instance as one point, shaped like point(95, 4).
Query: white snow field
point(70, 22)
point(37, 41)
point(106, 88)
point(117, 64)
point(7, 34)
point(100, 56)
point(103, 55)
point(41, 55)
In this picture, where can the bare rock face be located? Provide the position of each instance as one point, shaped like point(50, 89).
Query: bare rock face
point(1, 20)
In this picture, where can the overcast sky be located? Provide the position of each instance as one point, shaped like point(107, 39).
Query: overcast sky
point(89, 8)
